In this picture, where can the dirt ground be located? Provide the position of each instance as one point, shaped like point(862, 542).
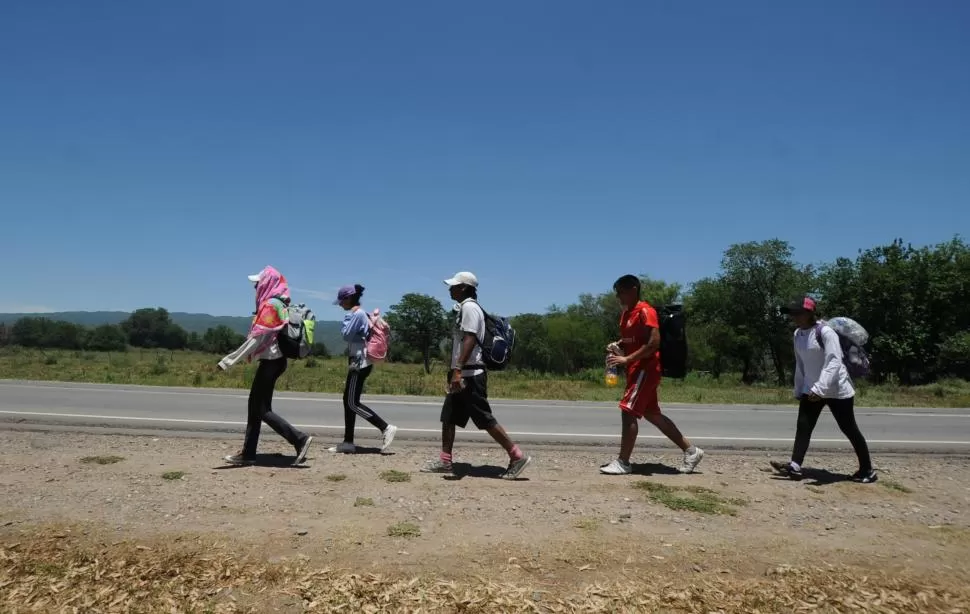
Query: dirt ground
point(167, 527)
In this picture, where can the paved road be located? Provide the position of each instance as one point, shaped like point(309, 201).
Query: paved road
point(204, 410)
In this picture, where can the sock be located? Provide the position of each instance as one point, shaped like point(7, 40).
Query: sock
point(796, 466)
point(445, 457)
point(515, 453)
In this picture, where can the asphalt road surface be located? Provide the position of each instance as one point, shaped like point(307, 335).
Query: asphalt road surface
point(139, 408)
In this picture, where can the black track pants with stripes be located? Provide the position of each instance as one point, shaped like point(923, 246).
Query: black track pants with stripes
point(352, 405)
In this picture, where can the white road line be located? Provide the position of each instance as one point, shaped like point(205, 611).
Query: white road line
point(862, 411)
point(474, 433)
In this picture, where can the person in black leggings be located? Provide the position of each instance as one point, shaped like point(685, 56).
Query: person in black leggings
point(261, 410)
point(355, 330)
point(272, 300)
point(821, 379)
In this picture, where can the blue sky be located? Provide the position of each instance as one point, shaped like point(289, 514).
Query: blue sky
point(157, 153)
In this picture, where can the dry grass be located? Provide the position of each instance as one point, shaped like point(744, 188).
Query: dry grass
point(364, 502)
point(896, 486)
point(173, 475)
point(587, 524)
point(102, 460)
point(404, 529)
point(45, 572)
point(394, 476)
point(336, 477)
point(690, 498)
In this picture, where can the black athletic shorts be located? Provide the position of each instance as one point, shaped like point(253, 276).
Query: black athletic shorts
point(471, 402)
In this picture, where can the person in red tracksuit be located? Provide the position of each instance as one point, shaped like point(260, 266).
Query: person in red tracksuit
point(638, 353)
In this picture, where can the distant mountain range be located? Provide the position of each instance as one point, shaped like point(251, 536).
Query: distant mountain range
point(327, 332)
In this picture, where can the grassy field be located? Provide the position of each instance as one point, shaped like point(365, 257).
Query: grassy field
point(164, 368)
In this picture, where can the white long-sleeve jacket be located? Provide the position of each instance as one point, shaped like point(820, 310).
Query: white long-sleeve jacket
point(271, 352)
point(819, 370)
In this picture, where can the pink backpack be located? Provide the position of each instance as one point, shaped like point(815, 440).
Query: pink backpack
point(379, 337)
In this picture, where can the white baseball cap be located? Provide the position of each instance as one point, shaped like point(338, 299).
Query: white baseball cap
point(462, 279)
point(255, 278)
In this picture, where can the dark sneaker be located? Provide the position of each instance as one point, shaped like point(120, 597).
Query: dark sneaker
point(865, 477)
point(516, 467)
point(787, 469)
point(302, 450)
point(238, 460)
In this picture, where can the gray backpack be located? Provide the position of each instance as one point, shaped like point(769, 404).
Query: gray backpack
point(296, 337)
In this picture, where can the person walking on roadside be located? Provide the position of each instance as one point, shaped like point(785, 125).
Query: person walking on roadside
point(355, 330)
point(467, 391)
point(638, 353)
point(272, 301)
point(821, 379)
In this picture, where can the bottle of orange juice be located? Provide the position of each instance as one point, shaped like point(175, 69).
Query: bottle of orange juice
point(611, 376)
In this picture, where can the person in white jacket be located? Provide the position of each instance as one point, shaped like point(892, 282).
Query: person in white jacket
point(272, 301)
point(821, 379)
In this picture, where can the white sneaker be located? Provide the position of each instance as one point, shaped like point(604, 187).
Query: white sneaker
point(344, 448)
point(389, 434)
point(691, 460)
point(617, 467)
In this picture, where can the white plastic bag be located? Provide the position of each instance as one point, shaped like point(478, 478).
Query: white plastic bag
point(849, 328)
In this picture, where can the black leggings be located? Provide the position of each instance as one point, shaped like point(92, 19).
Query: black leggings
point(261, 409)
point(843, 410)
point(352, 405)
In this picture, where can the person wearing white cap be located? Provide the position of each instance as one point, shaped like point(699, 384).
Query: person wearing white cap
point(467, 396)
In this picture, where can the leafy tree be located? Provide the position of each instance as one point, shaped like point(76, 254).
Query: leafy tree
point(194, 342)
point(46, 333)
point(107, 338)
point(912, 302)
point(955, 356)
point(532, 348)
point(419, 323)
point(221, 340)
point(153, 328)
point(743, 300)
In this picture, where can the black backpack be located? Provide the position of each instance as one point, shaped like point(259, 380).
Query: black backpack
point(498, 342)
point(673, 341)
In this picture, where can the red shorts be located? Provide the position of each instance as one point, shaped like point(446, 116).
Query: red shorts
point(640, 397)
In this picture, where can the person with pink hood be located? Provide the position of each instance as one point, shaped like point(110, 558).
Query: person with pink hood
point(272, 300)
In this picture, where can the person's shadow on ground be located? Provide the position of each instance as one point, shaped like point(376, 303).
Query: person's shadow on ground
point(275, 460)
point(461, 471)
point(816, 477)
point(654, 469)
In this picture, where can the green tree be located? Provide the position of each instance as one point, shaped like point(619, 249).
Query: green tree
point(153, 328)
point(532, 350)
point(741, 305)
point(47, 333)
point(107, 338)
point(194, 342)
point(221, 340)
point(419, 323)
point(29, 332)
point(716, 333)
point(912, 302)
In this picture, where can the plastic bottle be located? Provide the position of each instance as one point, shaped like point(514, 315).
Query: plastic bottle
point(611, 376)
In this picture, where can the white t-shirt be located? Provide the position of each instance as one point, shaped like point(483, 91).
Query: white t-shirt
point(820, 370)
point(471, 319)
